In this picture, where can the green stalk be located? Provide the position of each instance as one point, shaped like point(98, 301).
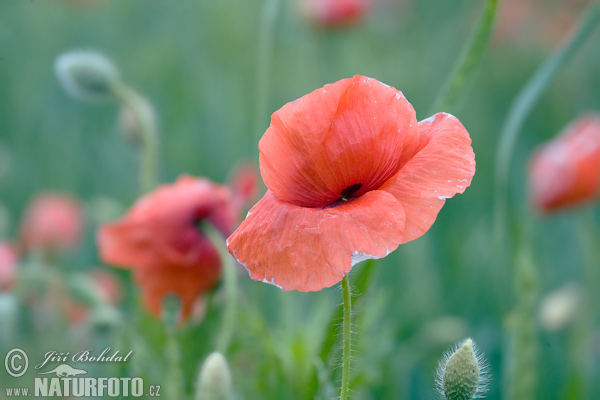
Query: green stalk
point(470, 58)
point(363, 275)
point(174, 380)
point(347, 326)
point(231, 299)
point(230, 285)
point(148, 131)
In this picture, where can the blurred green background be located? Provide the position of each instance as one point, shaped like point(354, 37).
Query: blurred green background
point(196, 61)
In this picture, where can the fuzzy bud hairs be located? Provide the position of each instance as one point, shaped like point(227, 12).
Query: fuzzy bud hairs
point(462, 373)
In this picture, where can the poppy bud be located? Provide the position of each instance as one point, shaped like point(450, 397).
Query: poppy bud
point(462, 374)
point(86, 75)
point(214, 381)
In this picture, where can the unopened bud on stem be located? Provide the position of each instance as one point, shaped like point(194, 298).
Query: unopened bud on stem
point(214, 381)
point(87, 75)
point(462, 374)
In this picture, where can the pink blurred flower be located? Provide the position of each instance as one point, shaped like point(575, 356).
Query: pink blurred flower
point(8, 265)
point(332, 13)
point(565, 171)
point(52, 222)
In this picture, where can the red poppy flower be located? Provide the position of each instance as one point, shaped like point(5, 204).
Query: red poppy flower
point(160, 238)
point(351, 175)
point(566, 171)
point(331, 13)
point(52, 222)
point(8, 265)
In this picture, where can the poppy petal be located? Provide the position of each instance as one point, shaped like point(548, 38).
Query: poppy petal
point(443, 166)
point(156, 283)
point(339, 141)
point(308, 249)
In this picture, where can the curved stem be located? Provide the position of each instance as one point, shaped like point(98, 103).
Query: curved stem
point(148, 131)
point(347, 326)
point(468, 61)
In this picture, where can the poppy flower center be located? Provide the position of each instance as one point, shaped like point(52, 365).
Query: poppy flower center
point(350, 190)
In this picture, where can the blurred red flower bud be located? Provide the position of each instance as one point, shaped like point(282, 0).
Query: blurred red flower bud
point(332, 13)
point(565, 171)
point(52, 222)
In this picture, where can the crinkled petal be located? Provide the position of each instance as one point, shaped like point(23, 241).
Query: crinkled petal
point(308, 249)
point(443, 166)
point(342, 140)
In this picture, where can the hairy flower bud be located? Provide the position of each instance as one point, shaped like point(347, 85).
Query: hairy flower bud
point(86, 74)
point(214, 381)
point(462, 373)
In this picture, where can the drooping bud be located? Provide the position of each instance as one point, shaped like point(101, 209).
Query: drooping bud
point(462, 373)
point(87, 75)
point(214, 381)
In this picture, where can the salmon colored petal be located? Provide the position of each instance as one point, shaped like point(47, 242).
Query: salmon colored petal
point(342, 140)
point(307, 249)
point(443, 166)
point(157, 283)
point(566, 171)
point(162, 227)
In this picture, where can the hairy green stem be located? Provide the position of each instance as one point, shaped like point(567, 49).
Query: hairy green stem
point(363, 276)
point(148, 131)
point(347, 331)
point(467, 63)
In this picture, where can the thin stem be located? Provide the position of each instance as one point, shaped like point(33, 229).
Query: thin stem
point(363, 275)
point(467, 63)
point(147, 127)
point(231, 289)
point(264, 54)
point(347, 325)
point(230, 284)
point(174, 375)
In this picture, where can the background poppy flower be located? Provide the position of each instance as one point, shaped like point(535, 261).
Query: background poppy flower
point(161, 239)
point(565, 171)
point(351, 175)
point(331, 13)
point(8, 265)
point(52, 221)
